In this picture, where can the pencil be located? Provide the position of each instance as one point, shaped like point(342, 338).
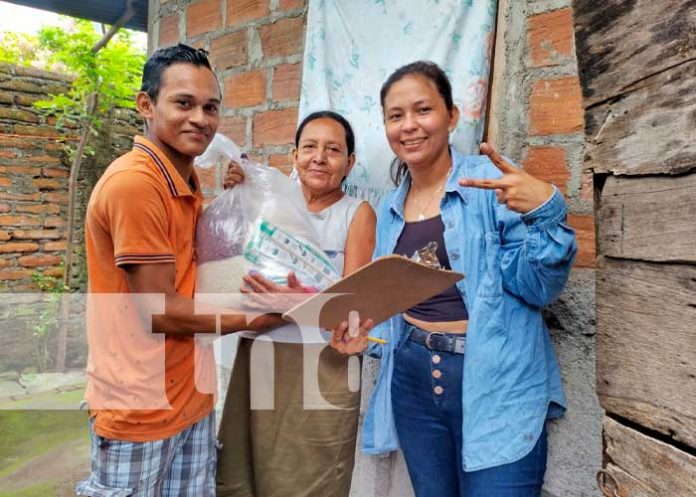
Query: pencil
point(377, 340)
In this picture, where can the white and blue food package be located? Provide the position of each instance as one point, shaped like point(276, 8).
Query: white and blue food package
point(259, 225)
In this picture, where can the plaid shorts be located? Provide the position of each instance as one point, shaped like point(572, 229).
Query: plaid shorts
point(180, 466)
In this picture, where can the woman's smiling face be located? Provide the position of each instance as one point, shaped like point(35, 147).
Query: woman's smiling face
point(417, 121)
point(321, 157)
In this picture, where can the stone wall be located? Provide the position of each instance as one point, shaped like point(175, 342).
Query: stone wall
point(536, 119)
point(34, 172)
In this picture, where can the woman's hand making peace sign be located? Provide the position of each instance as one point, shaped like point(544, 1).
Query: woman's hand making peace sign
point(519, 191)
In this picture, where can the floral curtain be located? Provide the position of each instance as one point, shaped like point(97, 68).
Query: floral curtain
point(351, 47)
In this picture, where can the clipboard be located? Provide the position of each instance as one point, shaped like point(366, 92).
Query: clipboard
point(385, 287)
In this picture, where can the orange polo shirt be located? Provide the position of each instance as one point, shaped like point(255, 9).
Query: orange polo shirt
point(142, 386)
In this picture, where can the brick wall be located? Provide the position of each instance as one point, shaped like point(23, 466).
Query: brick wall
point(555, 135)
point(256, 47)
point(256, 50)
point(34, 174)
point(33, 179)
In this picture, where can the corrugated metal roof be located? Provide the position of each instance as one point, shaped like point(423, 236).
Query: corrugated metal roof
point(104, 11)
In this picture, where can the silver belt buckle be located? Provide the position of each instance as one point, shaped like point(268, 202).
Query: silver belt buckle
point(430, 335)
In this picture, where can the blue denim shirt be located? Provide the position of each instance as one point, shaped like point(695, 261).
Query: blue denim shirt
point(514, 265)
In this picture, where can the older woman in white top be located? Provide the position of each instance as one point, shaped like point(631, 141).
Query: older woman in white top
point(297, 449)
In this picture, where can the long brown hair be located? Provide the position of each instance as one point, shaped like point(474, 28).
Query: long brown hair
point(435, 74)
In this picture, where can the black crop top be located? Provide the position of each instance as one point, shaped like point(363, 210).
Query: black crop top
point(445, 306)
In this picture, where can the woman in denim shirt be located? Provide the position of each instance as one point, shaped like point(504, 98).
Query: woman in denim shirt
point(469, 377)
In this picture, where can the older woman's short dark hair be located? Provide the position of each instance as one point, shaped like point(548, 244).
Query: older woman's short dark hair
point(329, 114)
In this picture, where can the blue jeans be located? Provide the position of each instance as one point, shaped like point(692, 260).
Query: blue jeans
point(429, 425)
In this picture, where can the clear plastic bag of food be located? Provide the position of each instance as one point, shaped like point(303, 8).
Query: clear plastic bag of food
point(259, 225)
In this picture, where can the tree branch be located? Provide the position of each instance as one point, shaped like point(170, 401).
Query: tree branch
point(125, 17)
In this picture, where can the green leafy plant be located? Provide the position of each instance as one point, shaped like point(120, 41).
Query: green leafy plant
point(106, 69)
point(20, 49)
point(113, 71)
point(47, 321)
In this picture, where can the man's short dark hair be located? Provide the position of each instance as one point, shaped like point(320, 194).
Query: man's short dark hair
point(165, 57)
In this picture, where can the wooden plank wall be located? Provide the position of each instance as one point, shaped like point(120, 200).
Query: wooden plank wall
point(637, 64)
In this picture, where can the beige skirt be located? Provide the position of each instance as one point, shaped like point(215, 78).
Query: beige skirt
point(284, 432)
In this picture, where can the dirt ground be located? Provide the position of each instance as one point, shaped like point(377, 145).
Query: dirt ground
point(42, 453)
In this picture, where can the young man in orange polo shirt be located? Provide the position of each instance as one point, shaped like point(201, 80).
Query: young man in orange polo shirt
point(152, 429)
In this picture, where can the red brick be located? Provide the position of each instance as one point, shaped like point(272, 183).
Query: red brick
point(257, 158)
point(203, 17)
point(275, 127)
point(7, 154)
point(44, 159)
point(234, 128)
point(241, 11)
point(23, 170)
point(26, 100)
point(26, 197)
point(586, 186)
point(5, 181)
point(286, 82)
point(15, 114)
point(6, 262)
point(7, 248)
point(585, 235)
point(208, 177)
point(282, 162)
point(283, 37)
point(169, 30)
point(555, 106)
point(38, 208)
point(245, 89)
point(291, 4)
point(4, 236)
point(14, 274)
point(26, 288)
point(229, 50)
point(48, 184)
point(55, 246)
point(549, 164)
point(5, 208)
point(57, 146)
point(35, 131)
point(14, 142)
point(19, 221)
point(54, 222)
point(551, 37)
point(54, 172)
point(39, 260)
point(54, 197)
point(37, 234)
point(54, 272)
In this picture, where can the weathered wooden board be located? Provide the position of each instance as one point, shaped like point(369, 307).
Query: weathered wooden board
point(651, 129)
point(645, 467)
point(621, 42)
point(646, 345)
point(649, 218)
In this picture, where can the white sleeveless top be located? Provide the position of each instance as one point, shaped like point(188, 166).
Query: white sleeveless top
point(332, 225)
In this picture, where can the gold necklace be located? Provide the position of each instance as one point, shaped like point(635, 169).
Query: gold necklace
point(421, 210)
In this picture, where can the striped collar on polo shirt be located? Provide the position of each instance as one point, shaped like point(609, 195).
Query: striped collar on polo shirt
point(176, 184)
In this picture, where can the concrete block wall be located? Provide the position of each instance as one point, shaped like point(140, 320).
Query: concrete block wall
point(538, 121)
